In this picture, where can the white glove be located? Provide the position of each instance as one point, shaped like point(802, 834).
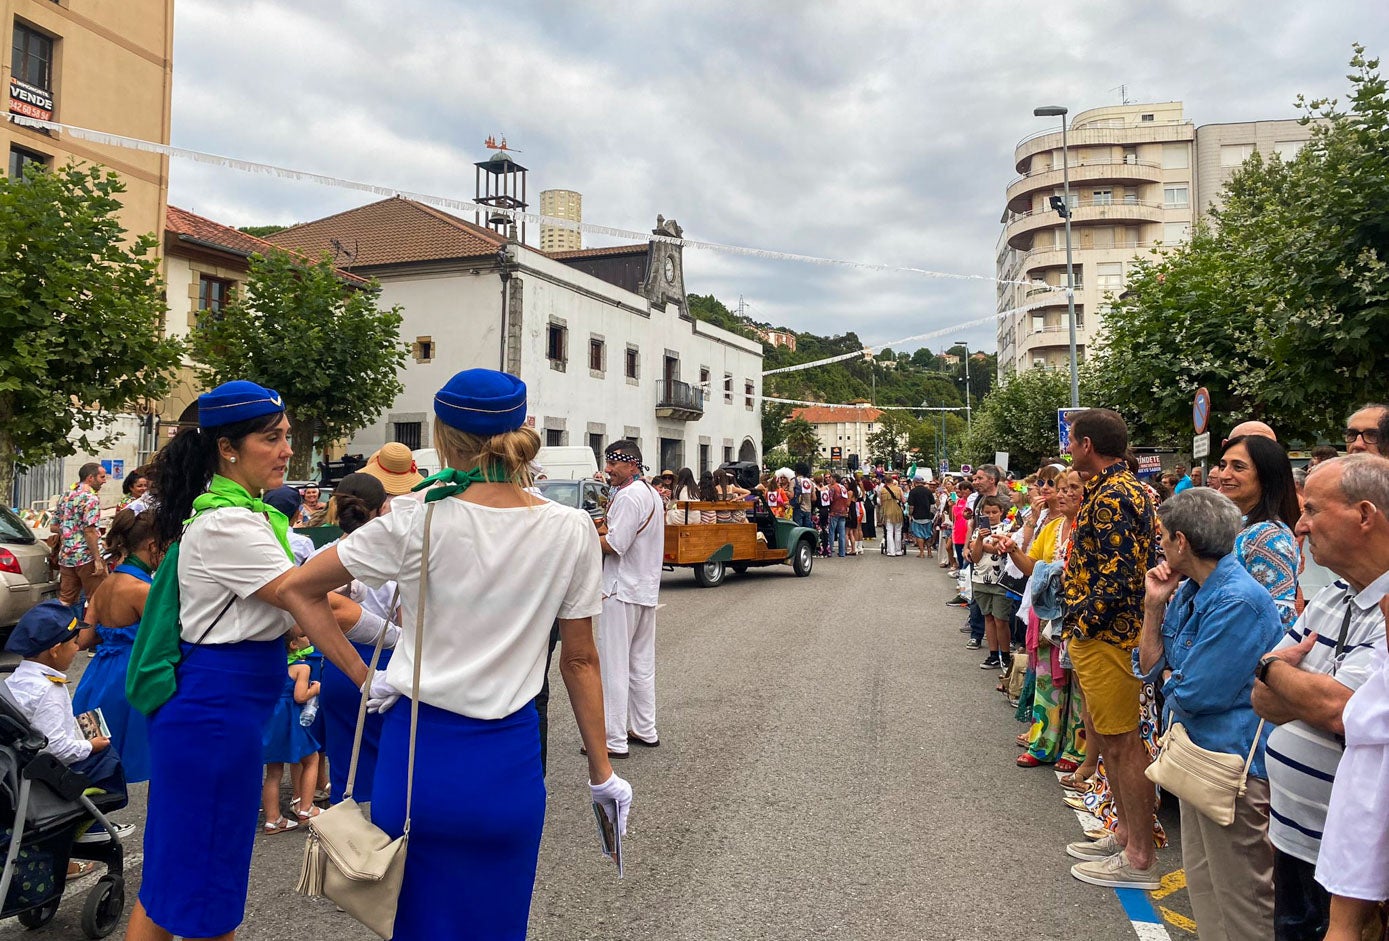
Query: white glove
point(369, 627)
point(381, 695)
point(614, 792)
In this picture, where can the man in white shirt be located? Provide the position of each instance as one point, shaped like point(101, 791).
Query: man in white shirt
point(633, 551)
point(1305, 682)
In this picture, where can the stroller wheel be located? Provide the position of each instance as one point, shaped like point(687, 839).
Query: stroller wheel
point(38, 917)
point(104, 907)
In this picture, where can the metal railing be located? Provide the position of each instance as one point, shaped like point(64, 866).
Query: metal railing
point(1143, 132)
point(672, 393)
point(38, 484)
point(1076, 165)
point(1126, 201)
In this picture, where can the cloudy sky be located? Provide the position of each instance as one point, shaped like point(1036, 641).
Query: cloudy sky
point(877, 132)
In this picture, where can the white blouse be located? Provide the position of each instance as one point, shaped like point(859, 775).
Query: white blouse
point(224, 553)
point(498, 578)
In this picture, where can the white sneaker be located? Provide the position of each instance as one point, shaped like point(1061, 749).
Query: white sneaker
point(1116, 873)
point(122, 830)
point(1094, 849)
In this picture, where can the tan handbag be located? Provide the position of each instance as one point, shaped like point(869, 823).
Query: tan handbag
point(1209, 781)
point(347, 858)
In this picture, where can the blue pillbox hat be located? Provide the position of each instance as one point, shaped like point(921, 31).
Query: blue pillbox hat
point(482, 402)
point(43, 626)
point(236, 401)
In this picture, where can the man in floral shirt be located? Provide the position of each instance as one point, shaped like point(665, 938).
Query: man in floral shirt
point(80, 566)
point(1113, 545)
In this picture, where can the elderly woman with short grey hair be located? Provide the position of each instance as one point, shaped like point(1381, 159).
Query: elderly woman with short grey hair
point(1206, 623)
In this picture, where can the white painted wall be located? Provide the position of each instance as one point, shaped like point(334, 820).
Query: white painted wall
point(460, 309)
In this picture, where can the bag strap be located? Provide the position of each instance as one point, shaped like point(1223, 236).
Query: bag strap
point(1253, 748)
point(183, 655)
point(415, 680)
point(362, 706)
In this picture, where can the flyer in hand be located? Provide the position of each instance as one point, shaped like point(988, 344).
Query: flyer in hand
point(608, 836)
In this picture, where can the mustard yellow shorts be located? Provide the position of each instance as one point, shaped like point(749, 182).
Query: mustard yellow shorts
point(1111, 690)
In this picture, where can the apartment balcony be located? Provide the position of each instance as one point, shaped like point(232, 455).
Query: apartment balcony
point(1158, 132)
point(1041, 259)
point(1022, 226)
point(1084, 173)
point(678, 400)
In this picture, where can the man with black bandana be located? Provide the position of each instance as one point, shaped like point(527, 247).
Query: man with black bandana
point(633, 550)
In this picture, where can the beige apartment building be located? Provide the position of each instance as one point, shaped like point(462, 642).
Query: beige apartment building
point(561, 204)
point(106, 65)
point(1141, 175)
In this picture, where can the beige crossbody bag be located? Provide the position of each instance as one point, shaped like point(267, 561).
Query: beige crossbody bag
point(347, 858)
point(1210, 781)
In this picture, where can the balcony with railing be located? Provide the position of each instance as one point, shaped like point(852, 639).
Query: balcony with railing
point(1156, 132)
point(1083, 172)
point(1021, 226)
point(679, 400)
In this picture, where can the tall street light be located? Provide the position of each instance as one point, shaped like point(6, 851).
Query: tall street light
point(969, 412)
point(1063, 206)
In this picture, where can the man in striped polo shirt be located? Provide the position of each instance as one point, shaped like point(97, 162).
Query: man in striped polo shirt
point(1304, 683)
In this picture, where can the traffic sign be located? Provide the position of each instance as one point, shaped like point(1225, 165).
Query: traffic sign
point(1063, 427)
point(1201, 445)
point(1201, 411)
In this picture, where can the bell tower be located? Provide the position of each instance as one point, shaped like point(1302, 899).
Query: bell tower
point(500, 183)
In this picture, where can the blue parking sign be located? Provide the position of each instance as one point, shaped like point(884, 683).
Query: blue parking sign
point(1063, 427)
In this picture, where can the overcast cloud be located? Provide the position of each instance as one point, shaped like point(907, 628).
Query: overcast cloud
point(878, 132)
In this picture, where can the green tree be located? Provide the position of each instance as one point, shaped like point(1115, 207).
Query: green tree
point(893, 437)
point(261, 231)
point(82, 311)
point(774, 415)
point(323, 345)
point(800, 439)
point(1019, 416)
point(1282, 310)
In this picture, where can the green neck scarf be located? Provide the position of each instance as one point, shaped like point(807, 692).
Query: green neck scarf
point(222, 492)
point(454, 481)
point(295, 656)
point(135, 562)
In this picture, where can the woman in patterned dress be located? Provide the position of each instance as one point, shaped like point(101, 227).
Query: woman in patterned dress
point(1255, 473)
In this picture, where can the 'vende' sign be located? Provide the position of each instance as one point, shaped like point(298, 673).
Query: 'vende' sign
point(29, 101)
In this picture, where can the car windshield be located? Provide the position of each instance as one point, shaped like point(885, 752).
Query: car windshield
point(13, 529)
point(560, 491)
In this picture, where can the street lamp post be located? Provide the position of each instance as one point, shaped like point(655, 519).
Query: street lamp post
point(969, 411)
point(1056, 111)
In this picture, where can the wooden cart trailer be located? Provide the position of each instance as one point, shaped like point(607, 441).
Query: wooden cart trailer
point(713, 548)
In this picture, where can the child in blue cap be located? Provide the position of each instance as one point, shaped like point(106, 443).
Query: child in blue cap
point(46, 637)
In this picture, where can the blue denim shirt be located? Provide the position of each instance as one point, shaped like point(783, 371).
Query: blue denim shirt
point(1212, 638)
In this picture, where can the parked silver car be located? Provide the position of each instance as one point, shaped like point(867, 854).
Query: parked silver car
point(25, 576)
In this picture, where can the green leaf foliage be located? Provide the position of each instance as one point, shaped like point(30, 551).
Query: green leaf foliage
point(1019, 416)
point(1281, 308)
point(82, 311)
point(323, 345)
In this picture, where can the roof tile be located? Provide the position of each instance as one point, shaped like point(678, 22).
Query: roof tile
point(828, 414)
point(184, 224)
point(391, 232)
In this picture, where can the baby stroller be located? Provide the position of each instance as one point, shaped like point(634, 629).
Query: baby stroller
point(43, 808)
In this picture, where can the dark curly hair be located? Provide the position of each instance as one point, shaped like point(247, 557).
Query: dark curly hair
point(186, 464)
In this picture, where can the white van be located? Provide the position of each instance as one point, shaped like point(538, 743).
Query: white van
point(567, 463)
point(562, 463)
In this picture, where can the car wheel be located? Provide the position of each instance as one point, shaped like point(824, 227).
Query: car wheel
point(804, 559)
point(710, 574)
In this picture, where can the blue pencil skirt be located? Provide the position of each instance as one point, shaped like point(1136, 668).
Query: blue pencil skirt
point(206, 740)
point(338, 700)
point(479, 808)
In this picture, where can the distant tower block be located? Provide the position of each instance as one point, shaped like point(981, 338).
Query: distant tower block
point(501, 185)
point(561, 204)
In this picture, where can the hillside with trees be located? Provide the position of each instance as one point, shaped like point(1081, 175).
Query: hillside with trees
point(889, 378)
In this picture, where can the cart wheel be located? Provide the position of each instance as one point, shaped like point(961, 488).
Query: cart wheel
point(804, 559)
point(105, 905)
point(739, 567)
point(710, 574)
point(38, 917)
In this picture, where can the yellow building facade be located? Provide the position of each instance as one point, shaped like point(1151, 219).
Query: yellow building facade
point(106, 65)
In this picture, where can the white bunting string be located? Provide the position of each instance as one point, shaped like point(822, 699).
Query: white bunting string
point(444, 202)
point(920, 336)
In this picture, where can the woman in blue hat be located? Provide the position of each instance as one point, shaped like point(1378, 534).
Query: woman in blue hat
point(490, 600)
point(209, 660)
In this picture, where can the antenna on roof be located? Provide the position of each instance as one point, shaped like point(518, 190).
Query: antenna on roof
point(341, 251)
point(1123, 91)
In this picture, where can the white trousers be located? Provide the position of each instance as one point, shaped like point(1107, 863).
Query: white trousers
point(892, 533)
point(627, 655)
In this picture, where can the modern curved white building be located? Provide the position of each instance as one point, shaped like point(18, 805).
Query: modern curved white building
point(1140, 175)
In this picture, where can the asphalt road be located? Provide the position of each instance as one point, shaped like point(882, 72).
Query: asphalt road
point(833, 764)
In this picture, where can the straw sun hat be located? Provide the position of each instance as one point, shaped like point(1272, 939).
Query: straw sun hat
point(395, 468)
